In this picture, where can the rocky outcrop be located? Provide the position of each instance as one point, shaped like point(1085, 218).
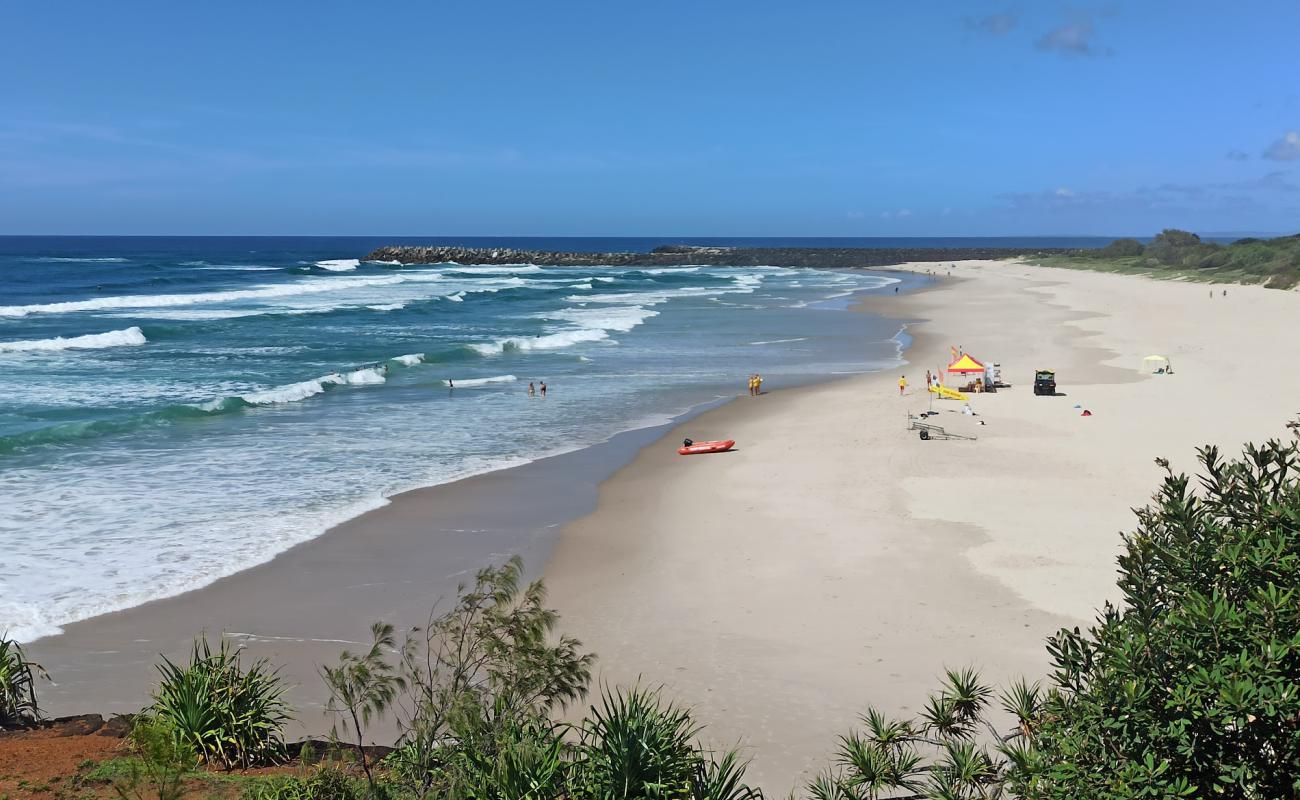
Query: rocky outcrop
point(78, 725)
point(681, 255)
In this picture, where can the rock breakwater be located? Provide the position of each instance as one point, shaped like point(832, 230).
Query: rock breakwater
point(681, 255)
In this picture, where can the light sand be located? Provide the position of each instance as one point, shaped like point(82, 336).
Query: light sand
point(835, 560)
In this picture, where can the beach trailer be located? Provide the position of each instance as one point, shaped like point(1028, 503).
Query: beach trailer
point(1045, 382)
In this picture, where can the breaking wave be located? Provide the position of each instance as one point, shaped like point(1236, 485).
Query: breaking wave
point(551, 341)
point(469, 382)
point(94, 341)
point(339, 264)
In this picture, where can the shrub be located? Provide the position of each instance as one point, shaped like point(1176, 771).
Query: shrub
point(936, 755)
point(1192, 687)
point(162, 759)
point(229, 716)
point(326, 783)
point(18, 704)
point(1121, 248)
point(636, 746)
point(488, 669)
point(362, 687)
point(1170, 246)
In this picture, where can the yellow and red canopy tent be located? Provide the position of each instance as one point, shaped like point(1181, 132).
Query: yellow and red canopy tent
point(966, 364)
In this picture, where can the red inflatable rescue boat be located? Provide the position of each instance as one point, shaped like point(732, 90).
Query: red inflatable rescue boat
point(697, 448)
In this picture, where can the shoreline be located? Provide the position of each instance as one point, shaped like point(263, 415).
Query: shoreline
point(104, 663)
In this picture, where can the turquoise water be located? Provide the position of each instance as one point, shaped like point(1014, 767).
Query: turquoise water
point(174, 411)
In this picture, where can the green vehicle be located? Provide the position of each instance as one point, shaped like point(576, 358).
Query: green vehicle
point(1045, 382)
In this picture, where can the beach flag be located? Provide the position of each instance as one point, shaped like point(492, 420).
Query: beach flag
point(955, 354)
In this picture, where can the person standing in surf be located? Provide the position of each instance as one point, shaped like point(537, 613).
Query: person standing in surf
point(532, 390)
point(543, 388)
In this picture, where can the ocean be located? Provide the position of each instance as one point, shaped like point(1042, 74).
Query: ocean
point(178, 409)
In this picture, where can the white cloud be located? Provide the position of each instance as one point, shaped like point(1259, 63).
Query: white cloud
point(1074, 38)
point(1285, 149)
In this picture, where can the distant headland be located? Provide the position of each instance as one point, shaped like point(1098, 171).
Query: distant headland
point(680, 255)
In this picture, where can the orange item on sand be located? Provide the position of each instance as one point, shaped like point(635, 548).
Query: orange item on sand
point(698, 448)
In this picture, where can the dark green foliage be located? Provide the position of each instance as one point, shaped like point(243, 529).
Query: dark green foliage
point(522, 760)
point(18, 704)
point(1192, 687)
point(635, 746)
point(1175, 253)
point(227, 715)
point(1121, 248)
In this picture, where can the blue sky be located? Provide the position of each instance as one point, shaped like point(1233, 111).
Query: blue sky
point(710, 117)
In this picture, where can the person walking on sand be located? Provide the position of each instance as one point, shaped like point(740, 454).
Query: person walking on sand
point(758, 384)
point(902, 384)
point(929, 380)
point(750, 381)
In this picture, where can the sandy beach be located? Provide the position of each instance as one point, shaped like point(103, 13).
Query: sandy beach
point(834, 560)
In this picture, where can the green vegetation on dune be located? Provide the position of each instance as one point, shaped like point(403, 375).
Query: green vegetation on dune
point(1180, 255)
point(1189, 688)
point(17, 685)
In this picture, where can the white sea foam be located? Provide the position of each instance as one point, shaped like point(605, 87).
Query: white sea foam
point(340, 264)
point(196, 314)
point(61, 260)
point(623, 318)
point(495, 269)
point(551, 341)
point(387, 307)
point(456, 297)
point(460, 383)
point(239, 268)
point(579, 286)
point(294, 392)
point(386, 263)
point(604, 279)
point(362, 377)
point(410, 360)
point(95, 341)
point(263, 292)
point(670, 270)
point(783, 341)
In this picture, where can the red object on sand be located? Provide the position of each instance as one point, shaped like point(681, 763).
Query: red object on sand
point(699, 448)
point(1086, 413)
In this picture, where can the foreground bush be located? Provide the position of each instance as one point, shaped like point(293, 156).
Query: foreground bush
point(1192, 686)
point(938, 755)
point(478, 691)
point(227, 715)
point(635, 745)
point(18, 704)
